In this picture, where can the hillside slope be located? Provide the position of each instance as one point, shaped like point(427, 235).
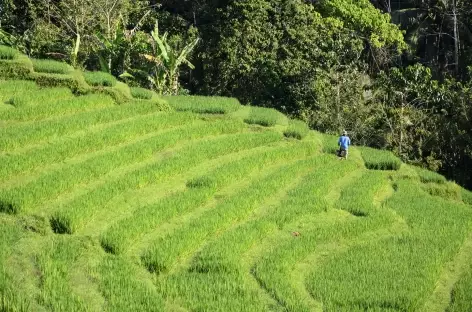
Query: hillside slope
point(214, 206)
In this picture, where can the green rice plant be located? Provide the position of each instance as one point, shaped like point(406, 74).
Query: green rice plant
point(141, 93)
point(379, 160)
point(266, 117)
point(11, 299)
point(53, 183)
point(214, 292)
point(51, 67)
point(320, 226)
point(308, 198)
point(406, 265)
point(129, 130)
point(447, 190)
point(125, 289)
point(120, 92)
point(120, 235)
point(75, 214)
point(99, 79)
point(330, 144)
point(461, 295)
point(223, 255)
point(74, 81)
point(20, 135)
point(163, 252)
point(17, 68)
point(7, 53)
point(41, 96)
point(203, 104)
point(427, 176)
point(160, 104)
point(54, 265)
point(11, 88)
point(87, 143)
point(466, 196)
point(48, 110)
point(202, 182)
point(296, 129)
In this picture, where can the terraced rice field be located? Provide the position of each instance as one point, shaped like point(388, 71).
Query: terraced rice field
point(210, 207)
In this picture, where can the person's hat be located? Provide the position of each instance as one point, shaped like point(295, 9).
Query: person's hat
point(344, 132)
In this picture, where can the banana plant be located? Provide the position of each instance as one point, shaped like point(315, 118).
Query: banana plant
point(166, 62)
point(110, 48)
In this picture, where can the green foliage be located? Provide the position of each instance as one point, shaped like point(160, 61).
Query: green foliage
point(296, 129)
point(51, 67)
point(364, 18)
point(379, 160)
point(203, 105)
point(141, 93)
point(100, 79)
point(166, 61)
point(266, 117)
point(7, 53)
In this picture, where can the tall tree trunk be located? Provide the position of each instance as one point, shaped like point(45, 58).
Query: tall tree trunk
point(456, 37)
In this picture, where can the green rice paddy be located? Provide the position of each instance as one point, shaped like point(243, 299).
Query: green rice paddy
point(204, 204)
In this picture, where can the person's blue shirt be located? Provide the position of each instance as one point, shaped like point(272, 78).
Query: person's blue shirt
point(344, 142)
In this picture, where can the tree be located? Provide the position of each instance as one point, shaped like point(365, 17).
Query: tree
point(409, 102)
point(438, 31)
point(166, 62)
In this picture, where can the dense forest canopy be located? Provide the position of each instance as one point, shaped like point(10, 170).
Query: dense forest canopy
point(394, 73)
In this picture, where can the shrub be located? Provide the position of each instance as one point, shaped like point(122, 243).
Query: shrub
point(141, 93)
point(297, 129)
point(100, 79)
point(7, 53)
point(51, 67)
point(204, 104)
point(427, 176)
point(379, 160)
point(266, 117)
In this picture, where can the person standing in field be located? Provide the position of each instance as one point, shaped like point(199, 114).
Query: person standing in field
point(343, 143)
